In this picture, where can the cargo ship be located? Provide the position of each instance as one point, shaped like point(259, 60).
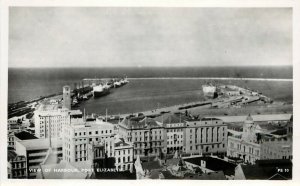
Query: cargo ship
point(120, 82)
point(100, 90)
point(209, 90)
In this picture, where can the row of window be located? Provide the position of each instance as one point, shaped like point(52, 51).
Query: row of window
point(124, 152)
point(123, 167)
point(123, 160)
point(95, 132)
point(204, 147)
point(146, 144)
point(174, 130)
point(174, 143)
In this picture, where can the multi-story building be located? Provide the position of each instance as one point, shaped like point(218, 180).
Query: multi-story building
point(35, 152)
point(11, 140)
point(18, 136)
point(245, 144)
point(146, 134)
point(207, 135)
point(77, 138)
point(250, 145)
point(123, 155)
point(173, 128)
point(49, 120)
point(18, 167)
point(281, 148)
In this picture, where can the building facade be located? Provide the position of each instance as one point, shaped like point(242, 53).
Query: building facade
point(248, 146)
point(208, 135)
point(245, 145)
point(49, 122)
point(35, 152)
point(147, 136)
point(124, 155)
point(77, 138)
point(18, 167)
point(173, 131)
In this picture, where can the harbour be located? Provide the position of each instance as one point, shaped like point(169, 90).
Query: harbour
point(149, 98)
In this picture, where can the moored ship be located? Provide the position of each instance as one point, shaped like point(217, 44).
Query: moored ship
point(209, 90)
point(100, 90)
point(120, 82)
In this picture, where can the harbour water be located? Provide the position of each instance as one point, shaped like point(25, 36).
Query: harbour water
point(144, 91)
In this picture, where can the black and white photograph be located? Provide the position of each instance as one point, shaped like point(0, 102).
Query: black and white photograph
point(142, 93)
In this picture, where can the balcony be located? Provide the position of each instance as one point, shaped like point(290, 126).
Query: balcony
point(38, 154)
point(36, 160)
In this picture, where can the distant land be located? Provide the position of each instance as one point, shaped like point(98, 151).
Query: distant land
point(276, 72)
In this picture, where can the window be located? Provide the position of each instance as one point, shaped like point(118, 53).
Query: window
point(96, 132)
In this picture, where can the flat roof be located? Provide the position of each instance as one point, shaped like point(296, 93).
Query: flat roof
point(214, 164)
point(96, 123)
point(34, 144)
point(25, 135)
point(265, 117)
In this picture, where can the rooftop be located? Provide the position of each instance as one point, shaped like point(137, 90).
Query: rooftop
point(214, 164)
point(145, 123)
point(97, 123)
point(11, 155)
point(171, 118)
point(151, 165)
point(266, 117)
point(34, 144)
point(219, 175)
point(121, 143)
point(25, 135)
point(268, 169)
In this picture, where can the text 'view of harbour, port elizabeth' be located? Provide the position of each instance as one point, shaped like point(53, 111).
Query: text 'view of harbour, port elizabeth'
point(150, 93)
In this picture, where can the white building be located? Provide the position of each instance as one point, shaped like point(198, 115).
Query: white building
point(49, 120)
point(173, 128)
point(77, 138)
point(35, 152)
point(123, 155)
point(248, 146)
point(208, 135)
point(245, 144)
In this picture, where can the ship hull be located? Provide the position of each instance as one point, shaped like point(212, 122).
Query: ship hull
point(209, 91)
point(210, 95)
point(97, 94)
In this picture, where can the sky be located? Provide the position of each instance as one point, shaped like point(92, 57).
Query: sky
point(139, 37)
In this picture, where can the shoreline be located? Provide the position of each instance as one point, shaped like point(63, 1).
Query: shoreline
point(186, 78)
point(215, 78)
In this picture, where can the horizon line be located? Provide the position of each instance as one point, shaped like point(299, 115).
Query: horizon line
point(158, 66)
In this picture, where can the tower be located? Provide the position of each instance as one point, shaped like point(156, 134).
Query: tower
point(249, 133)
point(67, 97)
